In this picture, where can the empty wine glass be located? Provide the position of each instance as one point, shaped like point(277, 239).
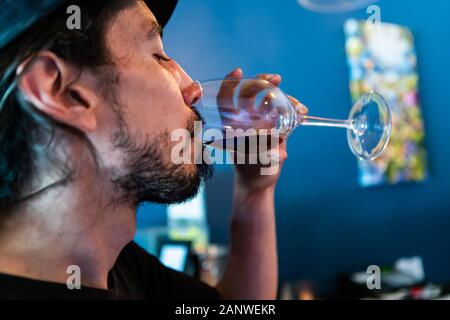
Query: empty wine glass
point(232, 103)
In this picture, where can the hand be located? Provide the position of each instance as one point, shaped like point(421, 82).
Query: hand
point(249, 176)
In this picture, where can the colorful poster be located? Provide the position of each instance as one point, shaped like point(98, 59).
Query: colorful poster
point(382, 58)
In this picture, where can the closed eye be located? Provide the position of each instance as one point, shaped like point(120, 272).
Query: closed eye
point(161, 57)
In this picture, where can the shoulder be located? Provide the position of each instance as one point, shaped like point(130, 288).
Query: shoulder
point(157, 281)
point(133, 254)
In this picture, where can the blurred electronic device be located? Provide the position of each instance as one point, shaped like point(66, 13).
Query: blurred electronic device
point(382, 57)
point(175, 254)
point(178, 255)
point(188, 222)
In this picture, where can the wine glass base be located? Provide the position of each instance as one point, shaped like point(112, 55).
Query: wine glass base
point(371, 121)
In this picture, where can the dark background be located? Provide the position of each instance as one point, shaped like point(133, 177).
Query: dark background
point(326, 223)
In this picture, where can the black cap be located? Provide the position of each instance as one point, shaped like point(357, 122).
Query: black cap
point(162, 9)
point(16, 16)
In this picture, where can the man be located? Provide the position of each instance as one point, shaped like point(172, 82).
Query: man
point(85, 123)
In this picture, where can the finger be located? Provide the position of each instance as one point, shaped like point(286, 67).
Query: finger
point(278, 155)
point(251, 88)
point(298, 106)
point(226, 91)
point(274, 158)
point(274, 79)
point(266, 104)
point(279, 149)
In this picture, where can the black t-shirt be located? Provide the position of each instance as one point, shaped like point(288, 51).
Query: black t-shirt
point(135, 275)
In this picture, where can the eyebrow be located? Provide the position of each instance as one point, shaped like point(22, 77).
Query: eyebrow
point(155, 31)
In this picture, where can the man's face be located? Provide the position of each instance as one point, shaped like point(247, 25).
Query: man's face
point(151, 97)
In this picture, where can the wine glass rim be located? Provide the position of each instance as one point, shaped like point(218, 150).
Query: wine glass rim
point(234, 79)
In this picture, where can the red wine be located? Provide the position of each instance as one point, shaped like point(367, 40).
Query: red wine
point(248, 144)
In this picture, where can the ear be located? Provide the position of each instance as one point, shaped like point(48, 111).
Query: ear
point(57, 89)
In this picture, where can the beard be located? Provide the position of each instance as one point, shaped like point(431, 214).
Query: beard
point(149, 175)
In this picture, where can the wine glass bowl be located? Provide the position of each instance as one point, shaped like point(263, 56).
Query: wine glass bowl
point(256, 104)
point(233, 104)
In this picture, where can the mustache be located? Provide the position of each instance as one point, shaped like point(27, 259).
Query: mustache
point(196, 116)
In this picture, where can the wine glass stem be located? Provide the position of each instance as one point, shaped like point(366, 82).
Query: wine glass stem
point(325, 122)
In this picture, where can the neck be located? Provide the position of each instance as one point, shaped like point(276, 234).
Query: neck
point(72, 224)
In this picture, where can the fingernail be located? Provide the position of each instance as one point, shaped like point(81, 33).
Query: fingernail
point(235, 73)
point(301, 108)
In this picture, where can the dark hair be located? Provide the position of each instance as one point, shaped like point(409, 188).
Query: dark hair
point(25, 133)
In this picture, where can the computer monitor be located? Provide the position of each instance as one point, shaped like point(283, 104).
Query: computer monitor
point(175, 254)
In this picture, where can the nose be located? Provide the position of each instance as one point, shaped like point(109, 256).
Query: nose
point(192, 93)
point(191, 90)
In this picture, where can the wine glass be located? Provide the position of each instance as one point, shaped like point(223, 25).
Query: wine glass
point(335, 5)
point(243, 104)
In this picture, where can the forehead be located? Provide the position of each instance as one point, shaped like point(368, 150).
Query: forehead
point(132, 27)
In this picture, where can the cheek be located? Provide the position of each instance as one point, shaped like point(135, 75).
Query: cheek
point(153, 100)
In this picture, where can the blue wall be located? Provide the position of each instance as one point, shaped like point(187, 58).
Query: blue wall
point(326, 223)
